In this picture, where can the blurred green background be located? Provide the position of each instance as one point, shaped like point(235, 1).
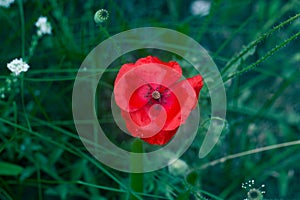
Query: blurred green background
point(253, 43)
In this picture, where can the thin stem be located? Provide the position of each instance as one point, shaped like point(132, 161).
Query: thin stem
point(34, 42)
point(262, 59)
point(249, 152)
point(136, 179)
point(23, 102)
point(233, 35)
point(208, 19)
point(22, 27)
point(269, 54)
point(256, 42)
point(20, 2)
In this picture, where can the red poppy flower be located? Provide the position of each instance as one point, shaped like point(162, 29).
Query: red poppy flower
point(153, 102)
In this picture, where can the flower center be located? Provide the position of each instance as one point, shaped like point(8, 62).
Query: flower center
point(155, 95)
point(255, 194)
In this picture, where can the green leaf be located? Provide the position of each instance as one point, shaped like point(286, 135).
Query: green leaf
point(235, 62)
point(184, 195)
point(8, 169)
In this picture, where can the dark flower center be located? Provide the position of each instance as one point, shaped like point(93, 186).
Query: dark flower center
point(255, 194)
point(156, 95)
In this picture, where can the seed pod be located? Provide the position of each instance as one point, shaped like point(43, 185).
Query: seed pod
point(101, 16)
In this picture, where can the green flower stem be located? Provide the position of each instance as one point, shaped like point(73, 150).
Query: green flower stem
point(34, 42)
point(136, 179)
point(22, 27)
point(23, 102)
point(265, 57)
point(21, 10)
point(257, 41)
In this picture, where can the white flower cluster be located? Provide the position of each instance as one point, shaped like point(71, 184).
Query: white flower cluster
point(200, 7)
point(44, 27)
point(6, 3)
point(17, 66)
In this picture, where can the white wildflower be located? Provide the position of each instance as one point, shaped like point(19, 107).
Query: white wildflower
point(178, 168)
point(44, 27)
point(6, 3)
point(17, 66)
point(200, 7)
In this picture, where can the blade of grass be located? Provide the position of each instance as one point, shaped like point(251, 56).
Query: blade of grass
point(257, 41)
point(215, 5)
point(249, 152)
point(21, 10)
point(68, 147)
point(241, 27)
point(269, 54)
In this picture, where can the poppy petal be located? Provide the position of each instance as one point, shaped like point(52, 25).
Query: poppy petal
point(148, 60)
point(186, 92)
point(152, 59)
point(131, 88)
point(172, 107)
point(123, 70)
point(169, 104)
point(145, 122)
point(140, 98)
point(197, 83)
point(161, 138)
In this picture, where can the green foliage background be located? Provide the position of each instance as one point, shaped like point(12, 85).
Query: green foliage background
point(255, 46)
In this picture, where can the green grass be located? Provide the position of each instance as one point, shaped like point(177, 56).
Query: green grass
point(255, 45)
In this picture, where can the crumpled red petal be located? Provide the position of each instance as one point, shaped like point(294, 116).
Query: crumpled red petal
point(140, 124)
point(132, 85)
point(161, 138)
point(140, 98)
point(152, 59)
point(186, 93)
point(197, 83)
point(172, 106)
point(123, 70)
point(147, 60)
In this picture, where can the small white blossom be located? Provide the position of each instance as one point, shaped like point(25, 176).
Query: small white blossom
point(200, 7)
point(17, 66)
point(178, 168)
point(6, 3)
point(44, 27)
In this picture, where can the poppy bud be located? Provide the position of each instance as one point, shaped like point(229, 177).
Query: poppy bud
point(101, 15)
